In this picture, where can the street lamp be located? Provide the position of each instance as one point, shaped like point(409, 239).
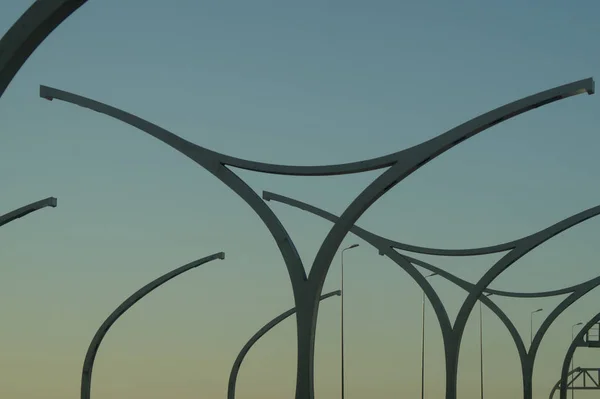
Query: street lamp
point(423, 341)
point(342, 316)
point(531, 325)
point(481, 344)
point(573, 357)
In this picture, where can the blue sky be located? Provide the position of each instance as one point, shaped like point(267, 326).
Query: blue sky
point(298, 83)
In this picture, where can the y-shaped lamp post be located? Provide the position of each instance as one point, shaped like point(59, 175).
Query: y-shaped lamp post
point(307, 289)
point(385, 247)
point(90, 356)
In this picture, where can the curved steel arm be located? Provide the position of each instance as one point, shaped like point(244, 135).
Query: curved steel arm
point(555, 387)
point(564, 372)
point(360, 232)
point(381, 244)
point(88, 364)
point(27, 209)
point(213, 162)
point(308, 290)
point(582, 86)
point(237, 364)
point(21, 40)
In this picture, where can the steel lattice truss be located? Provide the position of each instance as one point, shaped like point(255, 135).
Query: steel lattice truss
point(45, 15)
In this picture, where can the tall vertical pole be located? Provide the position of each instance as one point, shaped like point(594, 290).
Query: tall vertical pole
point(342, 326)
point(423, 346)
point(342, 318)
point(481, 349)
point(572, 362)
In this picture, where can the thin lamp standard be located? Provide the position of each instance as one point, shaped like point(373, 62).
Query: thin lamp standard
point(481, 345)
point(573, 357)
point(343, 376)
point(423, 340)
point(531, 325)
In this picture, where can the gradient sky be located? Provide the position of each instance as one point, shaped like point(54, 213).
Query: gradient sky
point(309, 82)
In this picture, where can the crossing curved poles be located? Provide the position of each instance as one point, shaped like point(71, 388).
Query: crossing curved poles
point(564, 373)
point(555, 387)
point(237, 364)
point(27, 209)
point(90, 356)
point(30, 30)
point(307, 289)
point(527, 357)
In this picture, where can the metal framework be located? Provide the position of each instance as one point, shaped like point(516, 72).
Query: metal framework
point(408, 263)
point(90, 356)
point(582, 339)
point(27, 209)
point(588, 381)
point(30, 30)
point(307, 289)
point(265, 329)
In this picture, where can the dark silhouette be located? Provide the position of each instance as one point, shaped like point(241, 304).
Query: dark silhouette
point(30, 30)
point(386, 247)
point(27, 209)
point(265, 329)
point(90, 356)
point(307, 289)
point(578, 341)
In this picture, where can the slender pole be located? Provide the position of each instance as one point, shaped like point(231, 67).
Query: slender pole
point(573, 358)
point(423, 341)
point(572, 361)
point(531, 326)
point(342, 325)
point(343, 376)
point(423, 346)
point(481, 348)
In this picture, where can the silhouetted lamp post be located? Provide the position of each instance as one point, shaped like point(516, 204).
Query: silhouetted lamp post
point(423, 341)
point(531, 325)
point(481, 346)
point(573, 357)
point(342, 316)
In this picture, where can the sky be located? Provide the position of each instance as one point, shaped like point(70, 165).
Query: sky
point(312, 82)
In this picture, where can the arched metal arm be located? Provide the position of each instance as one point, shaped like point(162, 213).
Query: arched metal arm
point(21, 40)
point(564, 305)
point(308, 290)
point(88, 364)
point(27, 209)
point(237, 364)
point(564, 372)
point(555, 387)
point(381, 244)
point(582, 86)
point(212, 161)
point(360, 232)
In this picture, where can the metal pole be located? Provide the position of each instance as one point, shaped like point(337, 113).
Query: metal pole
point(531, 326)
point(342, 318)
point(342, 325)
point(572, 362)
point(481, 348)
point(573, 358)
point(423, 346)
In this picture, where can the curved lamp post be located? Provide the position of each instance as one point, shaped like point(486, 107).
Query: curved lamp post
point(30, 30)
point(27, 209)
point(235, 369)
point(90, 356)
point(527, 357)
point(399, 165)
